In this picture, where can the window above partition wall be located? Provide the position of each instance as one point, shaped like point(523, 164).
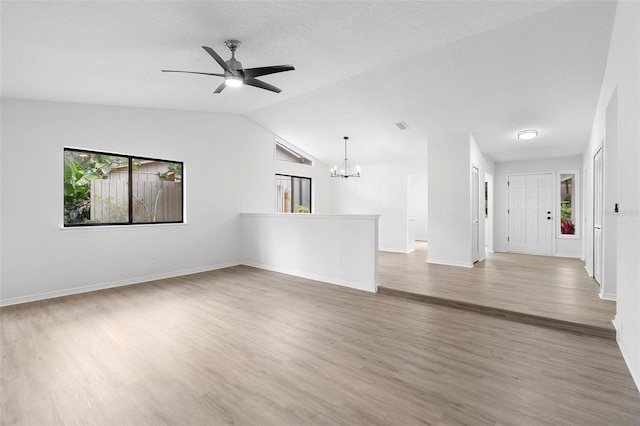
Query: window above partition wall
point(290, 154)
point(102, 188)
point(568, 219)
point(293, 194)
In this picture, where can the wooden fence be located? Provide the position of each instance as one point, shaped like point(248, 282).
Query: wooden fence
point(153, 201)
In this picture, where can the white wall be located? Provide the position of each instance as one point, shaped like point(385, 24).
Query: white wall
point(563, 246)
point(229, 168)
point(484, 165)
point(622, 75)
point(338, 249)
point(382, 190)
point(449, 207)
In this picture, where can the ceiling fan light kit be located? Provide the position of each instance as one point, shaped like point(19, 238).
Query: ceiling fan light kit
point(234, 75)
point(345, 172)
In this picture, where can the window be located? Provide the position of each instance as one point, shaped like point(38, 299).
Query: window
point(486, 199)
point(112, 189)
point(293, 194)
point(290, 155)
point(568, 204)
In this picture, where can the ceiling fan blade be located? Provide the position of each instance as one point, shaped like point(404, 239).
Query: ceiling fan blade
point(220, 88)
point(218, 59)
point(261, 84)
point(195, 72)
point(257, 72)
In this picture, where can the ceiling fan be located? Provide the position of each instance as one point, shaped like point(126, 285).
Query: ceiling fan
point(234, 75)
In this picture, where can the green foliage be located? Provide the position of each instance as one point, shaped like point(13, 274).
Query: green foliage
point(174, 172)
point(79, 170)
point(102, 164)
point(77, 200)
point(301, 209)
point(565, 211)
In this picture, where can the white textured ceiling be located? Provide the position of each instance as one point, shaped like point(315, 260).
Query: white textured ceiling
point(489, 68)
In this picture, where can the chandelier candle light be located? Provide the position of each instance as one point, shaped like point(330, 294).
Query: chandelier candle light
point(345, 172)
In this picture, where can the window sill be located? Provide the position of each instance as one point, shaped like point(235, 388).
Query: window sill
point(97, 228)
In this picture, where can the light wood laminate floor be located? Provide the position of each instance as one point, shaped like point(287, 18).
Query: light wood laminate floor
point(244, 346)
point(549, 287)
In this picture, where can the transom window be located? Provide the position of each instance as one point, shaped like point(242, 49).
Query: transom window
point(102, 188)
point(290, 155)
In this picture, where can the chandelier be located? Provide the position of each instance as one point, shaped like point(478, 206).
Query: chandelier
point(345, 172)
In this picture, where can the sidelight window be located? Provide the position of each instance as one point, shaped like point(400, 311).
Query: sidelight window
point(568, 203)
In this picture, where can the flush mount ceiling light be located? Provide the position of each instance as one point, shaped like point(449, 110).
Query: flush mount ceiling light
point(346, 170)
point(526, 135)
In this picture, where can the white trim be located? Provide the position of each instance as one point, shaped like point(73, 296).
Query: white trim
point(94, 228)
point(573, 255)
point(586, 268)
point(390, 250)
point(607, 296)
point(315, 216)
point(450, 263)
point(112, 284)
point(633, 368)
point(369, 287)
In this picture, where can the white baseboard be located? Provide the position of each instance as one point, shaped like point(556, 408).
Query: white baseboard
point(586, 268)
point(449, 263)
point(370, 287)
point(574, 256)
point(607, 296)
point(112, 284)
point(393, 250)
point(633, 368)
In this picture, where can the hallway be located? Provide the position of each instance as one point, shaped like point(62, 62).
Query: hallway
point(550, 291)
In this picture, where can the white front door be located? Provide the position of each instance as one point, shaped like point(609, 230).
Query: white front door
point(597, 216)
point(530, 214)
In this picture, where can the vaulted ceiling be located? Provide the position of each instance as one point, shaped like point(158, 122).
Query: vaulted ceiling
point(489, 68)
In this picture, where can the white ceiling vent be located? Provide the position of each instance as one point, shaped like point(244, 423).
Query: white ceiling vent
point(402, 125)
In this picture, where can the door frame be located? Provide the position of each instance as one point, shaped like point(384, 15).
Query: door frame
point(598, 271)
point(488, 220)
point(475, 209)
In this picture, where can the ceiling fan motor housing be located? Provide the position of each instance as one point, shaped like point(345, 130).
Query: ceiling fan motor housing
point(234, 65)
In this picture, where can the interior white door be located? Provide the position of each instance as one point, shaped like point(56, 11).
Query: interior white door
point(530, 214)
point(475, 207)
point(598, 213)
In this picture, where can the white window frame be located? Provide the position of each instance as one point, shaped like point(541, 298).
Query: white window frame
point(575, 202)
